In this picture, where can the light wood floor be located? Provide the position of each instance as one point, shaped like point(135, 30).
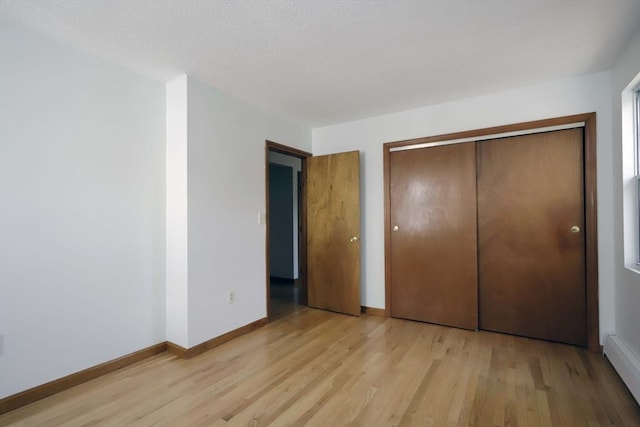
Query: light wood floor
point(321, 369)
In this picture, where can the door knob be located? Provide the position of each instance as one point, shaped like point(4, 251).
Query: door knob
point(395, 228)
point(575, 229)
point(353, 239)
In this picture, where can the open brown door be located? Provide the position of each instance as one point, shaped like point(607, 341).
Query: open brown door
point(333, 232)
point(433, 235)
point(531, 217)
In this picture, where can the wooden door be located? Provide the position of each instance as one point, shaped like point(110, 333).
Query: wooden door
point(531, 237)
point(333, 232)
point(433, 235)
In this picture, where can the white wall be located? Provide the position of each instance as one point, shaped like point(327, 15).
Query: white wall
point(296, 164)
point(627, 300)
point(226, 192)
point(81, 211)
point(83, 185)
point(572, 96)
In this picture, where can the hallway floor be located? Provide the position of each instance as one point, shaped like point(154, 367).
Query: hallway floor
point(286, 298)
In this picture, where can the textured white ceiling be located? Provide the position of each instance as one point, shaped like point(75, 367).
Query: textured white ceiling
point(324, 62)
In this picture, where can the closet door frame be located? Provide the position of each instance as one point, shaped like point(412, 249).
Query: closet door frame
point(588, 121)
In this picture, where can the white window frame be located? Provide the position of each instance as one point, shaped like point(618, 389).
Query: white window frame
point(631, 174)
point(636, 158)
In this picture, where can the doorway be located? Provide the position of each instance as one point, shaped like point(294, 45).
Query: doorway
point(285, 243)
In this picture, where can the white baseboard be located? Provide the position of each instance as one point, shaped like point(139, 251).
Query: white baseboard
point(625, 363)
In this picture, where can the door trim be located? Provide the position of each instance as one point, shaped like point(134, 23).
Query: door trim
point(590, 192)
point(302, 250)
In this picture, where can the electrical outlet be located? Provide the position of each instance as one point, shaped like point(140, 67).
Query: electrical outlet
point(231, 297)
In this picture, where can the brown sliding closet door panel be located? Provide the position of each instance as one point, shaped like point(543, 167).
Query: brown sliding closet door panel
point(531, 238)
point(433, 235)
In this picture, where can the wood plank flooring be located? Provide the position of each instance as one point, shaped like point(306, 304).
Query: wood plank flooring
point(315, 368)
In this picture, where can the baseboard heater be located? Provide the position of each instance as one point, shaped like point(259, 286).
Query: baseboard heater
point(625, 362)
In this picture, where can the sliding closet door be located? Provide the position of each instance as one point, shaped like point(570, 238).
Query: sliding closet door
point(433, 235)
point(531, 241)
